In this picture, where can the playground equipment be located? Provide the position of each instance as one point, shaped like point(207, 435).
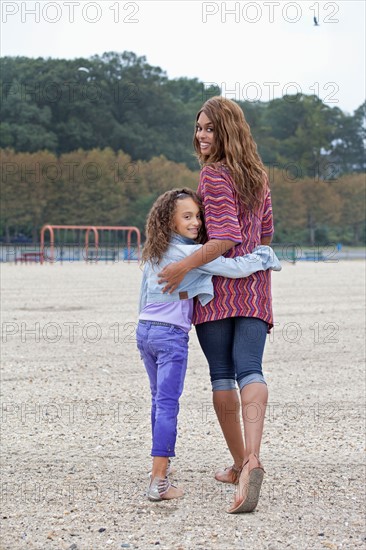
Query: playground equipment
point(92, 251)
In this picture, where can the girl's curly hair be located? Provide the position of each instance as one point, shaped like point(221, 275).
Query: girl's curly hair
point(235, 147)
point(159, 223)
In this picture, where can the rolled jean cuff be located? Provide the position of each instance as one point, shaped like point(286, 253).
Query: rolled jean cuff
point(166, 454)
point(250, 378)
point(223, 384)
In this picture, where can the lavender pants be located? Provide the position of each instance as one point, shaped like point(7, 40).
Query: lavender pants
point(164, 351)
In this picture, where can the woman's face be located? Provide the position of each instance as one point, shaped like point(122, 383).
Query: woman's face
point(205, 134)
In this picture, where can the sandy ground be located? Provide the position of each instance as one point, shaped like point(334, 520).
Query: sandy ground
point(76, 432)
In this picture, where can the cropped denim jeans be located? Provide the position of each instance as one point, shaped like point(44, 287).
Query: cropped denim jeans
point(164, 351)
point(234, 349)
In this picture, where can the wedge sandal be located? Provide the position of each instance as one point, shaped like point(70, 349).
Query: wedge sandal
point(252, 482)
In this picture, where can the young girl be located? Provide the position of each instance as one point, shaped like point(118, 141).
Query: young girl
point(173, 228)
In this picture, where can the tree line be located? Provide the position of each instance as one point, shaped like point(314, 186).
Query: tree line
point(118, 100)
point(96, 140)
point(104, 187)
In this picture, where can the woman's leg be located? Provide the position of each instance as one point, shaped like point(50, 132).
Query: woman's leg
point(249, 342)
point(227, 408)
point(216, 340)
point(254, 399)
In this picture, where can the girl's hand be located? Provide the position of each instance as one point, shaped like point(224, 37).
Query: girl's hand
point(172, 274)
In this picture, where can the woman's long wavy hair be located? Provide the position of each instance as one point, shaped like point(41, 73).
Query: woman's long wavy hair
point(234, 147)
point(159, 223)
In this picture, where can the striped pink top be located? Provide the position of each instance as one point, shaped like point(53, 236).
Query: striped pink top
point(226, 219)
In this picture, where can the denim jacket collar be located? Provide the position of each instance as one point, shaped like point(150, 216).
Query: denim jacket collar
point(179, 239)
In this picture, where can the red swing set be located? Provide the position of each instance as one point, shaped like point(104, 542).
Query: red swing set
point(92, 249)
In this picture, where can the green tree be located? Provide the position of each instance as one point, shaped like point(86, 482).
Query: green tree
point(27, 126)
point(323, 208)
point(351, 191)
point(348, 152)
point(289, 208)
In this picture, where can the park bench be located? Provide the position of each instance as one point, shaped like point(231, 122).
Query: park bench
point(30, 257)
point(314, 256)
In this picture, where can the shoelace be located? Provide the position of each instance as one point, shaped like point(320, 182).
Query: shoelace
point(163, 486)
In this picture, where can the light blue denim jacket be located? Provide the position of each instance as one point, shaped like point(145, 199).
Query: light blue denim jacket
point(198, 281)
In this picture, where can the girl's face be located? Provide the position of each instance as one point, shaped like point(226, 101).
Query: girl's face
point(205, 134)
point(187, 218)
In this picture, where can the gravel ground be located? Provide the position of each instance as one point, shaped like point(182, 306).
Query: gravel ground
point(75, 418)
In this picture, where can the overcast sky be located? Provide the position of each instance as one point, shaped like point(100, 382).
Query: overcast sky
point(254, 50)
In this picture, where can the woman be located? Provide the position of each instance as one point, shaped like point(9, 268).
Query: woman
point(232, 328)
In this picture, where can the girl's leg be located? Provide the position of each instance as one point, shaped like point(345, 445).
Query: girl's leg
point(216, 340)
point(164, 351)
point(151, 367)
point(160, 464)
point(171, 355)
point(150, 362)
point(170, 347)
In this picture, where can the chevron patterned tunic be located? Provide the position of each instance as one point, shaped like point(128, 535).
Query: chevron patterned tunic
point(225, 218)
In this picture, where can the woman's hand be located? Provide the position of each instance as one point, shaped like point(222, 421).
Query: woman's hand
point(266, 240)
point(172, 274)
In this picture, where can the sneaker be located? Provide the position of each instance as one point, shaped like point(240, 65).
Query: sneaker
point(161, 489)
